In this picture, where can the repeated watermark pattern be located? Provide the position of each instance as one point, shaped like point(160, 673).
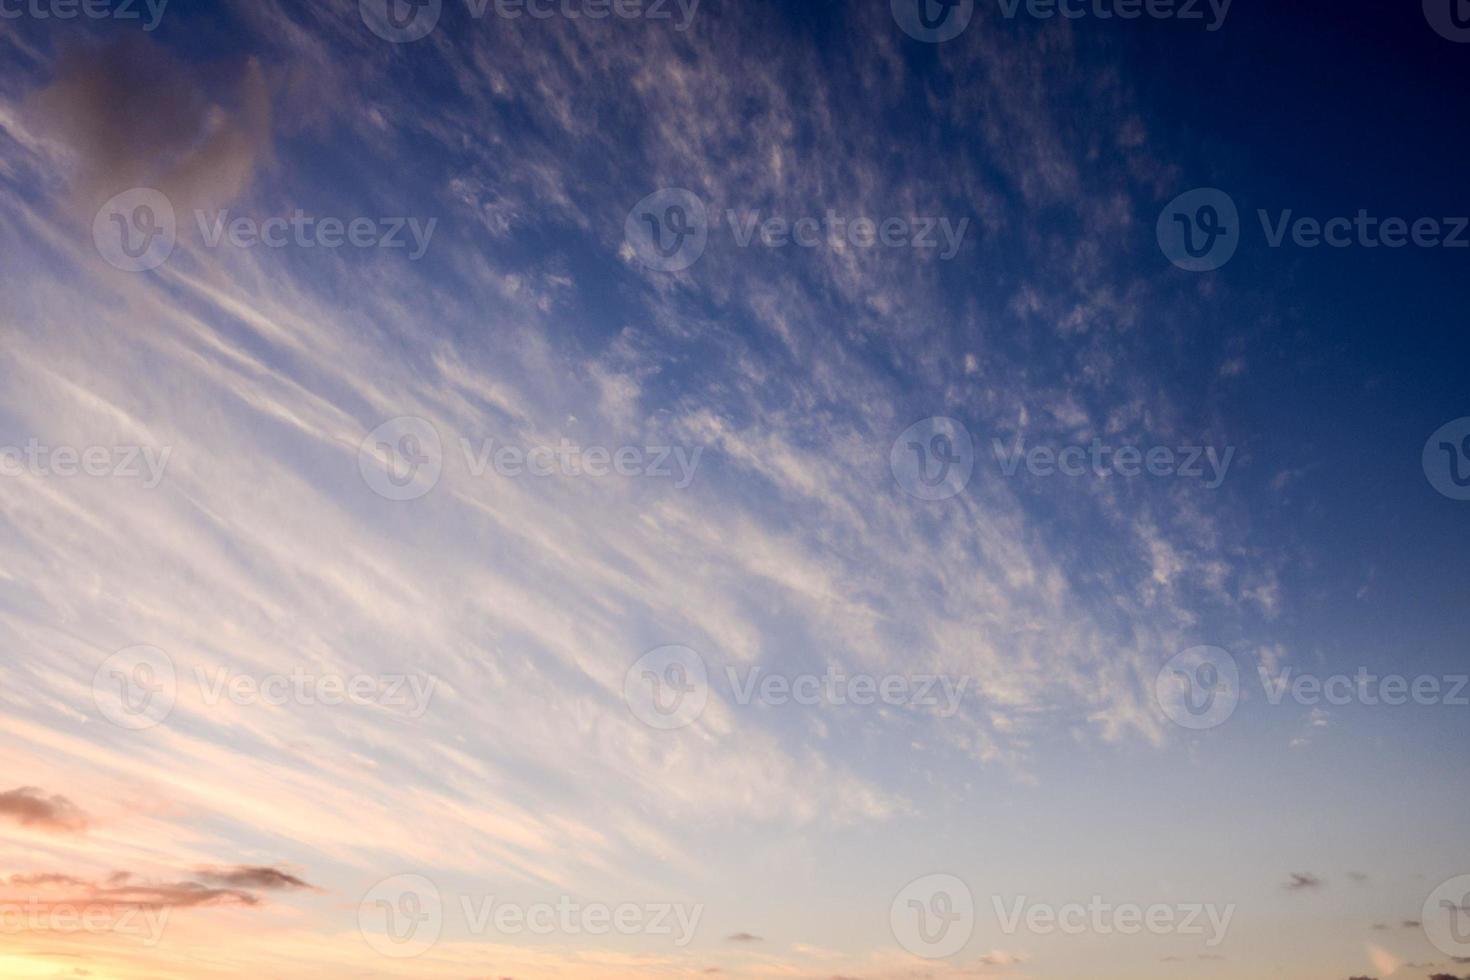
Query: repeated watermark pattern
point(404, 916)
point(1201, 687)
point(839, 688)
point(936, 21)
point(405, 21)
point(1101, 917)
point(35, 458)
point(1200, 230)
point(1446, 459)
point(934, 917)
point(138, 687)
point(669, 230)
point(832, 230)
point(1446, 917)
point(1098, 459)
point(137, 231)
point(1210, 13)
point(1449, 18)
point(567, 458)
point(669, 687)
point(148, 12)
point(403, 459)
point(934, 459)
point(144, 923)
point(1364, 687)
point(302, 230)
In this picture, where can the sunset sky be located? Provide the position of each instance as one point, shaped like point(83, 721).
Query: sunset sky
point(681, 476)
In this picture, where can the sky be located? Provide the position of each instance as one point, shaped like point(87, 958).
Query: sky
point(611, 489)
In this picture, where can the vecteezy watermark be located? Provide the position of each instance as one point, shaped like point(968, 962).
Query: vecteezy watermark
point(137, 231)
point(833, 230)
point(36, 458)
point(1199, 688)
point(570, 459)
point(403, 21)
point(1182, 10)
point(35, 914)
point(1200, 230)
point(1104, 918)
point(837, 688)
point(669, 687)
point(403, 459)
point(89, 9)
point(401, 916)
point(135, 688)
point(138, 687)
point(1449, 18)
point(933, 459)
point(1446, 917)
point(411, 692)
point(1366, 688)
point(932, 21)
point(404, 916)
point(669, 230)
point(1446, 459)
point(933, 916)
point(302, 230)
point(1097, 459)
point(569, 917)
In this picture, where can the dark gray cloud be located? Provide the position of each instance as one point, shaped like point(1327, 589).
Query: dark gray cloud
point(123, 889)
point(134, 116)
point(1302, 881)
point(33, 808)
point(259, 877)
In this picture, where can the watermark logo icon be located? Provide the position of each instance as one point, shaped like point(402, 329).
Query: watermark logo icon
point(400, 21)
point(1199, 688)
point(401, 916)
point(932, 21)
point(668, 229)
point(135, 231)
point(667, 688)
point(1199, 231)
point(933, 916)
point(1446, 917)
point(401, 459)
point(1447, 459)
point(136, 687)
point(933, 459)
point(1449, 18)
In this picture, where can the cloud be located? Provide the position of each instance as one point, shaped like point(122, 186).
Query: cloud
point(132, 115)
point(32, 808)
point(252, 876)
point(123, 890)
point(1302, 881)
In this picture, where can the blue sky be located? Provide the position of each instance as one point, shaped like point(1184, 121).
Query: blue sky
point(772, 518)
